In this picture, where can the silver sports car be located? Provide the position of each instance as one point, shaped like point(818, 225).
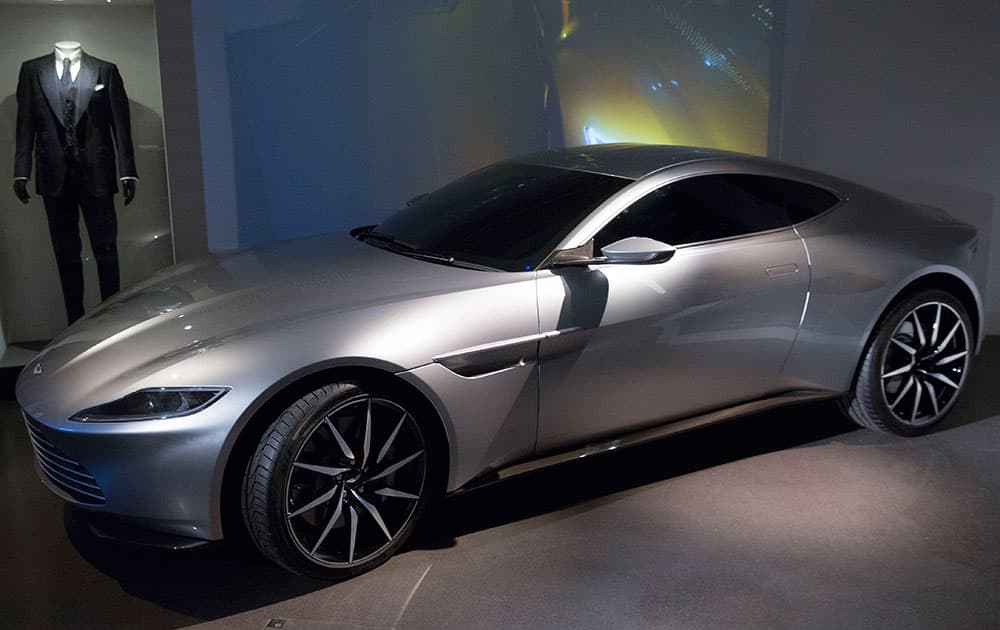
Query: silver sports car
point(321, 392)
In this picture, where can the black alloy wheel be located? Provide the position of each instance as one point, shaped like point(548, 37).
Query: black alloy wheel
point(915, 367)
point(338, 482)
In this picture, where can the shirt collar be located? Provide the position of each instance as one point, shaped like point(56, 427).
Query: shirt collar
point(73, 57)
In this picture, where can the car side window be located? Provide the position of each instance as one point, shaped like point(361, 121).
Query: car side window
point(710, 207)
point(803, 201)
point(800, 201)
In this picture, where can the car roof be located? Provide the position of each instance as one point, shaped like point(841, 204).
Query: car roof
point(631, 161)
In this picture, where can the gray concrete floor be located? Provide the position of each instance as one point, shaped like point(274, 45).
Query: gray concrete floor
point(785, 519)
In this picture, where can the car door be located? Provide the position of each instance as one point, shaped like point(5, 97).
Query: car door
point(636, 344)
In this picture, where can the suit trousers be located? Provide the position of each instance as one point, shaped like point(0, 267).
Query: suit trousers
point(64, 228)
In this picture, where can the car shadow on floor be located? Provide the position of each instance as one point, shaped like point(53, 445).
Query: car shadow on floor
point(224, 579)
point(205, 583)
point(603, 477)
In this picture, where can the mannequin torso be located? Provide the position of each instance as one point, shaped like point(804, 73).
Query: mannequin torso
point(88, 76)
point(74, 128)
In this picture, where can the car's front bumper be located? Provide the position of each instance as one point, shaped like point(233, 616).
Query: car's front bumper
point(158, 474)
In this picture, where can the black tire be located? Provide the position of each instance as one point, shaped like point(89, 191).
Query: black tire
point(912, 410)
point(316, 433)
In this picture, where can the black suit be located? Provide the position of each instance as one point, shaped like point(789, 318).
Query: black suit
point(75, 130)
point(102, 125)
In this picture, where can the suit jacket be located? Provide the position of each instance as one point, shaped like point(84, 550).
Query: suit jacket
point(102, 125)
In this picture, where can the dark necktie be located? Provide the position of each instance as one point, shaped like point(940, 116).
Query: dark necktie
point(69, 110)
point(67, 76)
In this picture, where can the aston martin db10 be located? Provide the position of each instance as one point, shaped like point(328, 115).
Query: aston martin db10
point(321, 392)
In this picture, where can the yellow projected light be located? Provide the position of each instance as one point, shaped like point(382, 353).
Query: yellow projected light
point(614, 120)
point(673, 89)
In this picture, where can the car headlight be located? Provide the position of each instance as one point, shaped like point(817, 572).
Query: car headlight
point(153, 404)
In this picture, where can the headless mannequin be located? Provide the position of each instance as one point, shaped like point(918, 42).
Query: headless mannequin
point(73, 51)
point(73, 116)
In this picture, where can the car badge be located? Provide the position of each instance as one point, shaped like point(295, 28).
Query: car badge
point(38, 369)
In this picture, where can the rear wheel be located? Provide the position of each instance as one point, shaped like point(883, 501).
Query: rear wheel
point(338, 481)
point(915, 366)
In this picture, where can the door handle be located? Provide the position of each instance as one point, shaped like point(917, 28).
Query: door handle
point(781, 270)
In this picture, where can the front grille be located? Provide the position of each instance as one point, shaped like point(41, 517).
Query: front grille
point(66, 473)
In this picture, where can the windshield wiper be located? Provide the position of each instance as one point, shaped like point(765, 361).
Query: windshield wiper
point(372, 233)
point(401, 246)
point(408, 249)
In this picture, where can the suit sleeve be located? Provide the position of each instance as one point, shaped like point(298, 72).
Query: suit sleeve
point(25, 142)
point(122, 121)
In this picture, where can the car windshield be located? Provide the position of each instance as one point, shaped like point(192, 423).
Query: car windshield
point(505, 216)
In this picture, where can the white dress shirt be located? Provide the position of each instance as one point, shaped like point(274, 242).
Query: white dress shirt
point(74, 63)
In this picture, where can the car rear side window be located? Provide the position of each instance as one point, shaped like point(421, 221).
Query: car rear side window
point(710, 207)
point(800, 201)
point(803, 201)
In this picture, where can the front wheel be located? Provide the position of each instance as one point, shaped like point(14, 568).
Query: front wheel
point(337, 482)
point(915, 366)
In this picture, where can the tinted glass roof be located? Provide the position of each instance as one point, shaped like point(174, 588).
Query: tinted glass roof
point(623, 160)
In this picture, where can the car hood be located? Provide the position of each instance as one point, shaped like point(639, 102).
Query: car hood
point(193, 307)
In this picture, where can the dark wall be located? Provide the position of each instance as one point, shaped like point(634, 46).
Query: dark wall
point(342, 111)
point(902, 96)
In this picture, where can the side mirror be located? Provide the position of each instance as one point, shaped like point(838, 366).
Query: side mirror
point(637, 250)
point(634, 250)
